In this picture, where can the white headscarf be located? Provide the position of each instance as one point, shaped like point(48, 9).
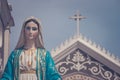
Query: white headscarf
point(39, 39)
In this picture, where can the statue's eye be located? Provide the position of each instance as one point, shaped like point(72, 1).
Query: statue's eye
point(27, 28)
point(34, 28)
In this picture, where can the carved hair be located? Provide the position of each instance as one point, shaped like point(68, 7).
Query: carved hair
point(39, 39)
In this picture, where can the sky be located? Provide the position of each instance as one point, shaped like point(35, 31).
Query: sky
point(101, 24)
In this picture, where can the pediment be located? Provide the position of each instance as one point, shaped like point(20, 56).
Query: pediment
point(87, 59)
point(84, 65)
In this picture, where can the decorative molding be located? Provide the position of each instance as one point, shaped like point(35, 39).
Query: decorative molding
point(81, 62)
point(92, 45)
point(78, 77)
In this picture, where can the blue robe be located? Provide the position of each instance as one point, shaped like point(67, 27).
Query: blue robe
point(45, 67)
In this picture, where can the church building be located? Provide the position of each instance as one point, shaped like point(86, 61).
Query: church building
point(78, 58)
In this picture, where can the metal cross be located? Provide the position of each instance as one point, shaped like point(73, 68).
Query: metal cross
point(77, 17)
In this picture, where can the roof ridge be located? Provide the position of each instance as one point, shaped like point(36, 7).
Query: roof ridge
point(86, 41)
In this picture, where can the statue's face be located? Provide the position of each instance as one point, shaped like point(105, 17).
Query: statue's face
point(31, 31)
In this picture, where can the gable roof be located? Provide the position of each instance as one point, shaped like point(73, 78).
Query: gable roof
point(94, 50)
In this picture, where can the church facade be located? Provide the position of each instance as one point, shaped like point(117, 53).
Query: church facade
point(81, 59)
point(76, 59)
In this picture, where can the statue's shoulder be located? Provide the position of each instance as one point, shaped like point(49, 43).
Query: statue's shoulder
point(16, 52)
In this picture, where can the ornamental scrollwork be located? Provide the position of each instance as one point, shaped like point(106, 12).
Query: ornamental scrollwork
point(100, 71)
point(75, 63)
point(79, 62)
point(116, 77)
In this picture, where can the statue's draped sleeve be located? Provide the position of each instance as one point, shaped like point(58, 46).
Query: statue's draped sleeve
point(51, 71)
point(8, 73)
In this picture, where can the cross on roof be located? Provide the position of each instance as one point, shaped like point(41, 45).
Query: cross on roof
point(77, 17)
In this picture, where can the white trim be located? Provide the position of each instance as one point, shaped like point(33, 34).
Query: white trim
point(96, 50)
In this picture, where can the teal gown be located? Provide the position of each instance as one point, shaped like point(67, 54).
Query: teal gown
point(45, 67)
